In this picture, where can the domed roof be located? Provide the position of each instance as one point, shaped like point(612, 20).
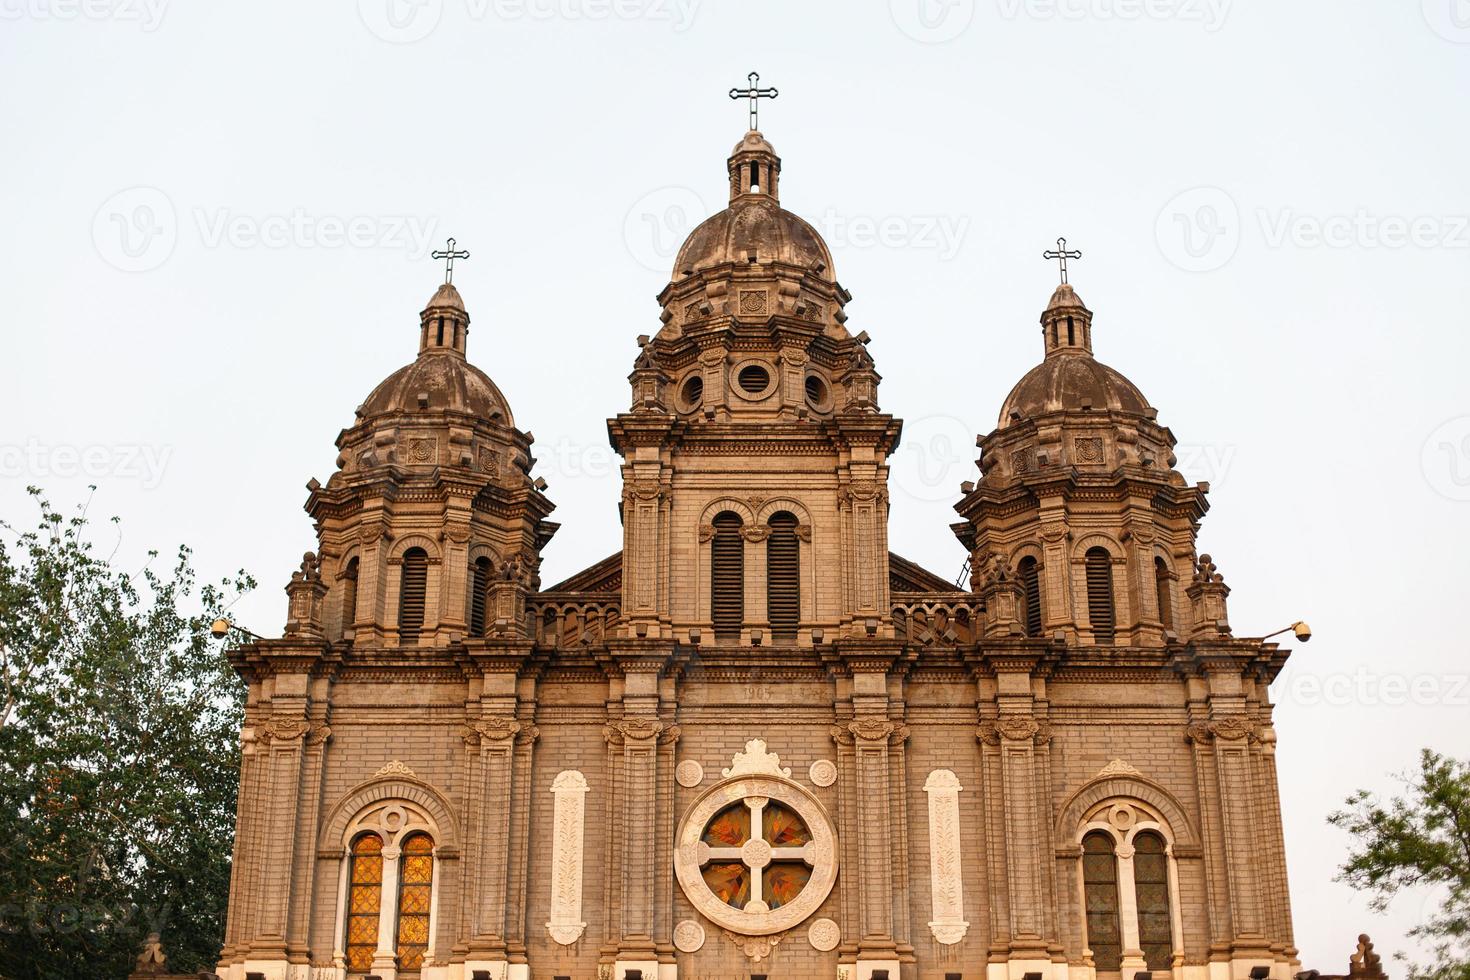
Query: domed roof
point(1071, 381)
point(446, 382)
point(754, 224)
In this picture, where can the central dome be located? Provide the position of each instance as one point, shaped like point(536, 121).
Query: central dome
point(754, 228)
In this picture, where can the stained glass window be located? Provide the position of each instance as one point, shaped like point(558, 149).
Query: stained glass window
point(783, 828)
point(730, 827)
point(729, 880)
point(1100, 889)
point(364, 898)
point(778, 876)
point(1151, 878)
point(415, 884)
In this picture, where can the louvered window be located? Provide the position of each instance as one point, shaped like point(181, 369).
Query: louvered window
point(1100, 595)
point(1030, 572)
point(1166, 600)
point(479, 585)
point(349, 597)
point(727, 576)
point(415, 583)
point(364, 900)
point(1100, 891)
point(1151, 878)
point(783, 577)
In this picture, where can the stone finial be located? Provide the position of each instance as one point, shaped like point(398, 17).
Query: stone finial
point(1366, 964)
point(1205, 570)
point(304, 598)
point(1003, 596)
point(152, 961)
point(1207, 594)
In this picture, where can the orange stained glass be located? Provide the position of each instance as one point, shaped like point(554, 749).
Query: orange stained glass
point(365, 895)
point(783, 828)
point(730, 881)
point(730, 827)
point(415, 889)
point(783, 881)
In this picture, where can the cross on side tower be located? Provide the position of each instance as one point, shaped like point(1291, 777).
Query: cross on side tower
point(1061, 254)
point(754, 92)
point(449, 255)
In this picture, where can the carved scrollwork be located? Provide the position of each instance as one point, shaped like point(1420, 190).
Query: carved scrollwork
point(804, 532)
point(491, 730)
point(1231, 729)
point(284, 730)
point(755, 533)
point(872, 730)
point(1013, 728)
point(632, 730)
point(706, 533)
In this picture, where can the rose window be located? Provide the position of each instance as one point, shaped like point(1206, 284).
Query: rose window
point(756, 854)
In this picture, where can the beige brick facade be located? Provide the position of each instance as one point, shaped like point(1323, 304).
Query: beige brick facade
point(612, 784)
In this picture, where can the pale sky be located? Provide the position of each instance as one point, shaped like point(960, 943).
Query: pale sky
point(218, 217)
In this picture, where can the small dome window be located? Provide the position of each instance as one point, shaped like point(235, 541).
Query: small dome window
point(816, 391)
point(754, 379)
point(692, 394)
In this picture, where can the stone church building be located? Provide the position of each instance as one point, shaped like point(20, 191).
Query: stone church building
point(756, 742)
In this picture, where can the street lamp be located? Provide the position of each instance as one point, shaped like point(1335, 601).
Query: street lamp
point(1299, 629)
point(221, 628)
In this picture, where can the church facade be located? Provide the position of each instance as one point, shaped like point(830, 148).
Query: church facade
point(756, 742)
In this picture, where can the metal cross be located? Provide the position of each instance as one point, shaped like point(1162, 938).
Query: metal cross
point(754, 92)
point(1061, 254)
point(449, 255)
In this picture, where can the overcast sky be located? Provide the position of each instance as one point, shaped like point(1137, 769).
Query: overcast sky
point(218, 217)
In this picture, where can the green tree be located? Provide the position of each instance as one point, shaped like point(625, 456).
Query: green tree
point(119, 754)
point(1419, 840)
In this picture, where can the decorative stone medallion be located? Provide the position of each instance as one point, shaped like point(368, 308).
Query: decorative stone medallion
point(823, 772)
point(689, 773)
point(824, 935)
point(688, 936)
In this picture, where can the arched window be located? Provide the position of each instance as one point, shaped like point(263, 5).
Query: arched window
point(349, 597)
point(479, 586)
point(1151, 880)
point(364, 902)
point(727, 576)
point(1100, 615)
point(783, 577)
point(1161, 589)
point(415, 889)
point(1100, 890)
point(1030, 573)
point(414, 583)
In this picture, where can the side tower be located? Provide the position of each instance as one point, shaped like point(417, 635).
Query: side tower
point(363, 789)
point(1105, 637)
point(754, 450)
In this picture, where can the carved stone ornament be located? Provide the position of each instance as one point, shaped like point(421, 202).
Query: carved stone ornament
point(689, 774)
point(755, 759)
point(823, 772)
point(755, 947)
point(804, 532)
point(423, 450)
point(755, 532)
point(756, 918)
point(945, 879)
point(706, 533)
point(285, 729)
point(1231, 729)
point(491, 730)
point(688, 936)
point(752, 301)
point(632, 730)
point(1117, 768)
point(1013, 728)
point(565, 924)
point(395, 768)
point(1088, 449)
point(824, 935)
point(871, 730)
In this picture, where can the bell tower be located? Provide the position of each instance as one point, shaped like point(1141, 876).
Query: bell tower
point(754, 450)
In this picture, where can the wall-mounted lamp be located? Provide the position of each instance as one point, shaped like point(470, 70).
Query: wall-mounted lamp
point(1299, 629)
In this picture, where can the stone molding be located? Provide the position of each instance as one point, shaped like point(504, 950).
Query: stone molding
point(946, 881)
point(568, 819)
